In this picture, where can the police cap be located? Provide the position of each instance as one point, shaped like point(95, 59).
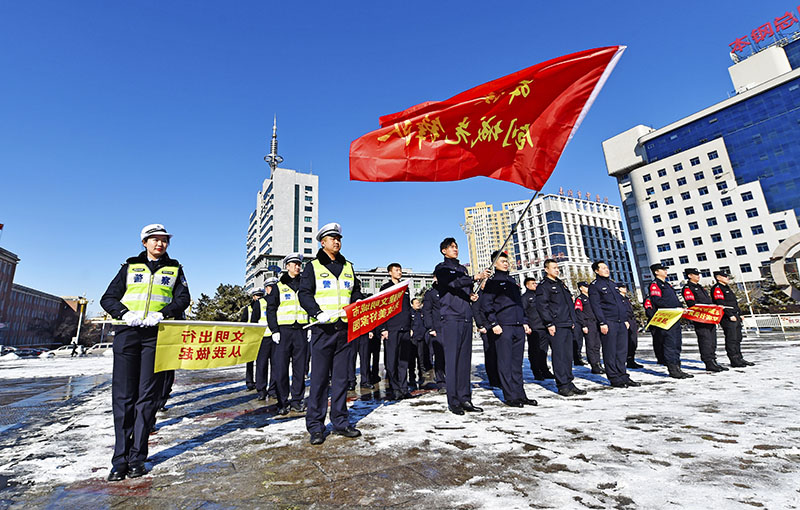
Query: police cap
point(257, 291)
point(583, 284)
point(293, 257)
point(691, 270)
point(657, 266)
point(722, 273)
point(331, 229)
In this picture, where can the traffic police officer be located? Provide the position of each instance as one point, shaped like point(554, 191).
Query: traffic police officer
point(662, 295)
point(247, 314)
point(612, 320)
point(695, 294)
point(327, 285)
point(537, 339)
point(555, 307)
point(587, 326)
point(396, 333)
point(256, 312)
point(148, 288)
point(287, 319)
point(455, 297)
point(501, 304)
point(731, 321)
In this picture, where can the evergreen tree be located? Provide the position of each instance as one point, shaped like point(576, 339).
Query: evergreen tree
point(225, 306)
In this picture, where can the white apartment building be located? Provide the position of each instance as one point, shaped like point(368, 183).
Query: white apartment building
point(372, 280)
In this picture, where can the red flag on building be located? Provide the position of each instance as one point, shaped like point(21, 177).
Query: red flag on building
point(365, 315)
point(513, 128)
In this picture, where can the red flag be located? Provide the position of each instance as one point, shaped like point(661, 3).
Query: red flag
point(513, 128)
point(706, 314)
point(365, 315)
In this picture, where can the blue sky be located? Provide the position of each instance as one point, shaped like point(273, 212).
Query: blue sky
point(119, 114)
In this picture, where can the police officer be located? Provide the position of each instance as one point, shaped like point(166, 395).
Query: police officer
point(633, 330)
point(662, 295)
point(731, 321)
point(432, 319)
point(256, 295)
point(537, 339)
point(613, 323)
point(419, 353)
point(695, 294)
point(396, 333)
point(655, 333)
point(256, 312)
point(148, 288)
point(555, 307)
point(287, 319)
point(489, 348)
point(327, 285)
point(455, 298)
point(501, 304)
point(586, 325)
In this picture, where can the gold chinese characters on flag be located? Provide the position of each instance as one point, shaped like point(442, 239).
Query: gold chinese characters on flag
point(365, 315)
point(196, 346)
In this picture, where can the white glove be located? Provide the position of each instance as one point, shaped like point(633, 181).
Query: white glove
point(152, 319)
point(327, 316)
point(276, 337)
point(132, 318)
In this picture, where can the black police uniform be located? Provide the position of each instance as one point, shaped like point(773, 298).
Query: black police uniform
point(265, 350)
point(329, 352)
point(432, 319)
point(292, 348)
point(455, 287)
point(419, 354)
point(489, 348)
point(655, 333)
point(610, 310)
point(662, 295)
point(723, 295)
point(537, 339)
point(695, 294)
point(135, 388)
point(398, 346)
point(633, 333)
point(555, 307)
point(585, 318)
point(501, 304)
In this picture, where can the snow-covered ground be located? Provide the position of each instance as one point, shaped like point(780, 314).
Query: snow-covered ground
point(24, 368)
point(726, 440)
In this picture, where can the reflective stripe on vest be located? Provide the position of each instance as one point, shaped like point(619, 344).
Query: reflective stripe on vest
point(333, 293)
point(289, 311)
point(149, 292)
point(262, 318)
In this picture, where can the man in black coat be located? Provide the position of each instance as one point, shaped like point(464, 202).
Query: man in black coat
point(587, 326)
point(662, 295)
point(731, 321)
point(432, 319)
point(396, 334)
point(695, 294)
point(633, 330)
point(489, 349)
point(537, 338)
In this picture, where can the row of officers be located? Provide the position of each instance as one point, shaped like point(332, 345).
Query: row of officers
point(306, 325)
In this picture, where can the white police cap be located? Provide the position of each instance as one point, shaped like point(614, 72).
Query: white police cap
point(154, 229)
point(293, 257)
point(331, 229)
point(270, 281)
point(257, 290)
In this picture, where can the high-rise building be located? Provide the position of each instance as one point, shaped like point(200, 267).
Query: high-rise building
point(284, 221)
point(720, 188)
point(486, 229)
point(575, 231)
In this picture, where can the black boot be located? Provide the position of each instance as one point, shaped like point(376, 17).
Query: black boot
point(720, 367)
point(676, 373)
point(597, 368)
point(738, 363)
point(632, 364)
point(712, 367)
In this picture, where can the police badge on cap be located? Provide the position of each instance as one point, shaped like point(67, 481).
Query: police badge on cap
point(331, 229)
point(293, 257)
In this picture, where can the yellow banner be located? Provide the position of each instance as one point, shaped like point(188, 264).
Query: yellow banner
point(666, 318)
point(204, 345)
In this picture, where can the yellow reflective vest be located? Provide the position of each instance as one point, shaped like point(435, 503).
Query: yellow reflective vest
point(146, 291)
point(289, 310)
point(332, 293)
point(262, 318)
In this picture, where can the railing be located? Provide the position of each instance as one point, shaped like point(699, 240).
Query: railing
point(759, 322)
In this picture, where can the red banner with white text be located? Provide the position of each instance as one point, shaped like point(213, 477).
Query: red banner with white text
point(365, 315)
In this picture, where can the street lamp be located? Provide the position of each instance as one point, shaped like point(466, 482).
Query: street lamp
point(82, 302)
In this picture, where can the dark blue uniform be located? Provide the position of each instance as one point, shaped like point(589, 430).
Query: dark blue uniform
point(455, 286)
point(501, 304)
point(610, 310)
point(489, 348)
point(555, 307)
point(662, 295)
point(658, 341)
point(135, 388)
point(633, 332)
point(585, 318)
point(292, 349)
point(420, 357)
point(398, 347)
point(264, 360)
point(695, 294)
point(432, 319)
point(537, 339)
point(731, 323)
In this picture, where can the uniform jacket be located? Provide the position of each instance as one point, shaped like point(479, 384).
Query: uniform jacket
point(631, 317)
point(477, 311)
point(501, 302)
point(607, 302)
point(274, 301)
point(417, 325)
point(531, 313)
point(662, 295)
point(695, 294)
point(255, 307)
point(554, 303)
point(401, 321)
point(723, 295)
point(455, 287)
point(308, 283)
point(584, 315)
point(431, 314)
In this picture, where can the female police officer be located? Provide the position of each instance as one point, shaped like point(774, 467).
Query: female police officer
point(148, 288)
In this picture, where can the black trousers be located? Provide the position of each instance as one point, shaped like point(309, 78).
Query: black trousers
point(733, 337)
point(615, 352)
point(361, 346)
point(457, 342)
point(577, 344)
point(352, 354)
point(633, 339)
point(706, 341)
point(398, 354)
point(538, 344)
point(263, 363)
point(291, 350)
point(168, 379)
point(561, 346)
point(490, 358)
point(672, 344)
point(658, 344)
point(135, 391)
point(593, 343)
point(510, 348)
point(329, 357)
point(249, 378)
point(439, 361)
point(416, 361)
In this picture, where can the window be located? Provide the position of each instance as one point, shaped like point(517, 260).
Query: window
point(682, 181)
point(307, 251)
point(663, 247)
point(650, 191)
point(741, 250)
point(730, 217)
point(685, 195)
point(780, 225)
point(647, 178)
point(752, 213)
point(660, 232)
point(309, 188)
point(747, 195)
point(667, 262)
point(698, 241)
point(653, 204)
point(309, 208)
point(698, 176)
point(701, 257)
point(683, 259)
point(307, 229)
point(679, 245)
point(694, 162)
point(715, 238)
point(689, 211)
point(757, 229)
point(762, 247)
point(672, 214)
point(662, 173)
point(308, 198)
point(707, 206)
point(705, 273)
point(307, 240)
point(745, 268)
point(678, 167)
point(720, 254)
point(307, 219)
point(664, 186)
point(713, 155)
point(727, 201)
point(669, 201)
point(717, 170)
point(693, 225)
point(702, 191)
point(736, 234)
point(722, 185)
point(657, 218)
point(676, 229)
point(672, 277)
